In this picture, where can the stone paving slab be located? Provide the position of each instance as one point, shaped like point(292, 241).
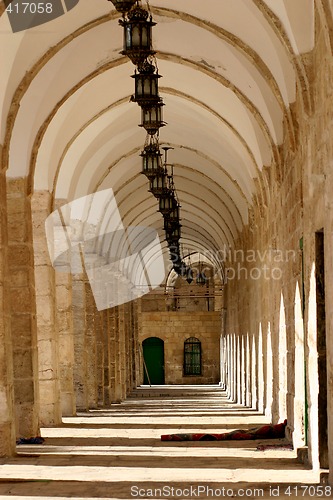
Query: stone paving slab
point(117, 453)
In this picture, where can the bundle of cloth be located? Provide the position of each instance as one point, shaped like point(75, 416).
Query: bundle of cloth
point(264, 432)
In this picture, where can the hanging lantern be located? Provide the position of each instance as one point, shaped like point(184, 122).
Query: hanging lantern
point(167, 203)
point(146, 86)
point(174, 253)
point(151, 118)
point(173, 238)
point(189, 275)
point(151, 160)
point(173, 232)
point(158, 184)
point(169, 225)
point(137, 36)
point(180, 268)
point(174, 214)
point(123, 5)
point(201, 279)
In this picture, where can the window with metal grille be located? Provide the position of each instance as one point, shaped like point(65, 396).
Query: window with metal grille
point(192, 356)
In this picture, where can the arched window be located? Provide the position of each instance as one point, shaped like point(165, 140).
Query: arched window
point(192, 356)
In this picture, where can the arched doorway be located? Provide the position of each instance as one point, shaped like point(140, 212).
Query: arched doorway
point(153, 355)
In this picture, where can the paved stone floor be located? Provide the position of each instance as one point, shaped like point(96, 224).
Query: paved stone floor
point(117, 453)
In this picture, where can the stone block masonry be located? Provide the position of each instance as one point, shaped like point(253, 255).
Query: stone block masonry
point(174, 328)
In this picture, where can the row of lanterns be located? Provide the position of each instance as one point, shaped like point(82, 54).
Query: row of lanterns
point(137, 25)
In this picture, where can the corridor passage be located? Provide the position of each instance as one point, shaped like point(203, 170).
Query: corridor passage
point(117, 453)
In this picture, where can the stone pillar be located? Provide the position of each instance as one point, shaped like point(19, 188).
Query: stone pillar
point(128, 351)
point(122, 349)
point(243, 374)
point(80, 348)
point(92, 383)
point(329, 318)
point(66, 342)
point(228, 355)
point(7, 420)
point(99, 357)
point(135, 347)
point(132, 366)
point(248, 396)
point(261, 373)
point(47, 328)
point(116, 358)
point(254, 374)
point(114, 397)
point(138, 349)
point(239, 367)
point(269, 371)
point(234, 367)
point(107, 357)
point(23, 310)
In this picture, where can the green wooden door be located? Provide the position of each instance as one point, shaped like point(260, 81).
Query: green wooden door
point(153, 353)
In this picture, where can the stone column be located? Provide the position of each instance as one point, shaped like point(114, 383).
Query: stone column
point(239, 368)
point(117, 358)
point(228, 363)
point(122, 349)
point(261, 373)
point(107, 357)
point(134, 345)
point(92, 383)
point(128, 352)
point(254, 374)
point(80, 347)
point(329, 318)
point(7, 420)
point(243, 368)
point(66, 342)
point(23, 310)
point(99, 356)
point(47, 328)
point(138, 347)
point(248, 397)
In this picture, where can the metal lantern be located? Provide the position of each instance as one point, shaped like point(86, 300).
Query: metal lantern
point(146, 86)
point(123, 5)
point(167, 203)
point(173, 232)
point(151, 161)
point(169, 225)
point(137, 36)
point(201, 278)
point(174, 252)
point(180, 268)
point(151, 118)
point(174, 214)
point(189, 275)
point(158, 184)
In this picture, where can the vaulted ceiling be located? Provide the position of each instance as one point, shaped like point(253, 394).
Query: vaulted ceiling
point(230, 70)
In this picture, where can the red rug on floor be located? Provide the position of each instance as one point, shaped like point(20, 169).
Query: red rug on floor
point(264, 432)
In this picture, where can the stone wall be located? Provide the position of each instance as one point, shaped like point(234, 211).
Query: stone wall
point(174, 328)
point(265, 289)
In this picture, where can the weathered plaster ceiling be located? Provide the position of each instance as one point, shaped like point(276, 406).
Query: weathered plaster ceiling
point(229, 76)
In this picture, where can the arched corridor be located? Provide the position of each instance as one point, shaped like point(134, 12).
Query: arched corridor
point(213, 271)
